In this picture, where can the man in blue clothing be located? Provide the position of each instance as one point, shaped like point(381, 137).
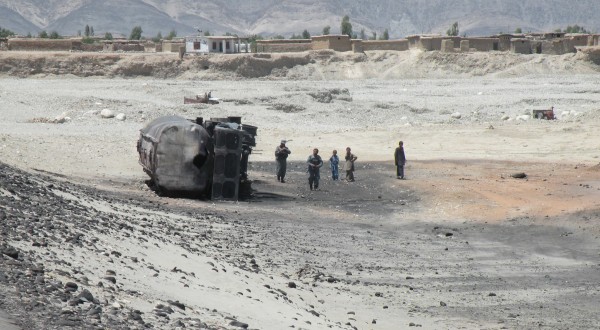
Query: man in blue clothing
point(314, 163)
point(334, 162)
point(400, 160)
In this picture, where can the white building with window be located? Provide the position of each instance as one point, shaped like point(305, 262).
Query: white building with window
point(216, 44)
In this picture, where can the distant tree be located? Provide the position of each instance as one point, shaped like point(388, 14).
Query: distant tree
point(305, 34)
point(453, 30)
point(92, 31)
point(43, 34)
point(346, 26)
point(79, 33)
point(374, 36)
point(5, 33)
point(326, 30)
point(136, 33)
point(252, 40)
point(171, 35)
point(518, 30)
point(294, 36)
point(88, 40)
point(158, 37)
point(207, 33)
point(108, 36)
point(29, 35)
point(575, 29)
point(354, 36)
point(54, 35)
point(277, 36)
point(363, 36)
point(386, 35)
point(86, 31)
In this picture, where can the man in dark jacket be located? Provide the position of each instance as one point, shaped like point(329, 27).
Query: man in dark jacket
point(314, 163)
point(281, 155)
point(400, 160)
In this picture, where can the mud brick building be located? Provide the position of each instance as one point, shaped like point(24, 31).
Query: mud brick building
point(337, 42)
point(283, 45)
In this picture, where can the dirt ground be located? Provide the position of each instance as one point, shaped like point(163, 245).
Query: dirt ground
point(460, 244)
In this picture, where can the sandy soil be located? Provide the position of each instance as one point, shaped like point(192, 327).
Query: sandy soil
point(460, 244)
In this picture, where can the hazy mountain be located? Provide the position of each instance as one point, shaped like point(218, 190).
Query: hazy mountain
point(14, 21)
point(269, 17)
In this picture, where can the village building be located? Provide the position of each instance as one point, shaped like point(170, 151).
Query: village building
point(548, 35)
point(43, 44)
point(520, 46)
point(397, 44)
point(3, 43)
point(216, 44)
point(504, 41)
point(337, 42)
point(123, 45)
point(482, 44)
point(172, 46)
point(551, 43)
point(340, 43)
point(283, 45)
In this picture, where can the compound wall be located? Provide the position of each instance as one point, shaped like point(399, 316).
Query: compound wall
point(44, 44)
point(482, 44)
point(399, 45)
point(283, 46)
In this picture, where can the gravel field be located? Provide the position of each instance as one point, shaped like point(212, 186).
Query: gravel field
point(459, 245)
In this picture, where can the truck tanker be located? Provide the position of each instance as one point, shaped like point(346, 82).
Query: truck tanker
point(199, 158)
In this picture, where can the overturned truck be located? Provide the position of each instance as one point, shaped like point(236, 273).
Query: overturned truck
point(197, 157)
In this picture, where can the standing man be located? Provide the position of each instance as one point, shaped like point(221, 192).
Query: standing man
point(400, 160)
point(314, 163)
point(281, 155)
point(334, 161)
point(350, 159)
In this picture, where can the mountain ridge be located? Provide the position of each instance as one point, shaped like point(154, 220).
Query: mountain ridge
point(287, 17)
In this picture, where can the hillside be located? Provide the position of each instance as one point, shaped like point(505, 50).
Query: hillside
point(270, 17)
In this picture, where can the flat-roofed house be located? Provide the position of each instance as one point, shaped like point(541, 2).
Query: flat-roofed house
point(216, 44)
point(337, 42)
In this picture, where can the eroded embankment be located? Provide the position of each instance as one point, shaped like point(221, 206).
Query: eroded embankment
point(25, 64)
point(312, 65)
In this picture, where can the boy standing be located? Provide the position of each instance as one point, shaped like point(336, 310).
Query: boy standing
point(334, 162)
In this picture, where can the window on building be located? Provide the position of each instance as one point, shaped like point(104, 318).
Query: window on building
point(214, 45)
point(227, 45)
point(196, 45)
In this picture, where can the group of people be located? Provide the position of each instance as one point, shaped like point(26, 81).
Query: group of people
point(315, 162)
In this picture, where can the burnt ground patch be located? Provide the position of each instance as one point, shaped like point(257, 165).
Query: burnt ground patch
point(374, 191)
